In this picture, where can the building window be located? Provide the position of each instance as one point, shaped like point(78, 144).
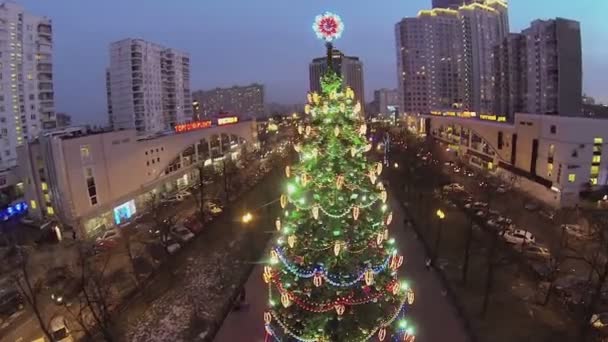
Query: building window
point(553, 129)
point(571, 177)
point(50, 211)
point(593, 180)
point(91, 188)
point(595, 170)
point(33, 204)
point(597, 141)
point(44, 186)
point(85, 153)
point(549, 169)
point(596, 159)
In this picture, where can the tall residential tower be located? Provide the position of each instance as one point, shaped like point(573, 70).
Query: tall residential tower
point(349, 67)
point(26, 71)
point(148, 86)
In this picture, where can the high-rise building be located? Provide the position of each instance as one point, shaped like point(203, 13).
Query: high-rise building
point(349, 67)
point(540, 70)
point(445, 57)
point(148, 86)
point(484, 26)
point(63, 120)
point(26, 97)
point(385, 104)
point(554, 67)
point(509, 75)
point(237, 100)
point(450, 3)
point(429, 48)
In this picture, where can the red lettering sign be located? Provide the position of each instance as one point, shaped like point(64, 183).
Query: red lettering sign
point(191, 126)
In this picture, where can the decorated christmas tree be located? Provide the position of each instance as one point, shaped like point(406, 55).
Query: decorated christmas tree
point(333, 274)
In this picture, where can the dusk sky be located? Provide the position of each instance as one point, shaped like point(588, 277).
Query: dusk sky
point(267, 41)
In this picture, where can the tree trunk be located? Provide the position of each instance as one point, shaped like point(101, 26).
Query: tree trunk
point(201, 188)
point(467, 249)
point(597, 293)
point(489, 277)
point(437, 241)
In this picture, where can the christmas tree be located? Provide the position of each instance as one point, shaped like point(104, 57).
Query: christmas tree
point(333, 274)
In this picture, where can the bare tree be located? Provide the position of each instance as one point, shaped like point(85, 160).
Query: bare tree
point(162, 218)
point(30, 290)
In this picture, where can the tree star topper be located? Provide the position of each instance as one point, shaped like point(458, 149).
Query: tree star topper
point(328, 26)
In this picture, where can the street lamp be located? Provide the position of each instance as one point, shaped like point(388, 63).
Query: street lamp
point(396, 165)
point(247, 218)
point(441, 215)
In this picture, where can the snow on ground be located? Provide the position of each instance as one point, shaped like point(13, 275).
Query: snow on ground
point(194, 296)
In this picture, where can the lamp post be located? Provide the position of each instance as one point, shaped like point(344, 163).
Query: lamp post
point(441, 216)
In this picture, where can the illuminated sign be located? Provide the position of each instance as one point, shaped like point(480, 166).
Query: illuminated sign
point(12, 210)
point(191, 126)
point(469, 115)
point(124, 211)
point(227, 120)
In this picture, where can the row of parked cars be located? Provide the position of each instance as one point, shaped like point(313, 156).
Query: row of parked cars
point(520, 238)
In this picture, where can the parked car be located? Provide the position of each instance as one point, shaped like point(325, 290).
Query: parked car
point(599, 320)
point(11, 302)
point(575, 230)
point(532, 206)
point(213, 208)
point(501, 189)
point(519, 236)
point(172, 246)
point(59, 330)
point(107, 240)
point(480, 213)
point(182, 233)
point(193, 224)
point(494, 212)
point(456, 170)
point(453, 187)
point(493, 223)
point(61, 286)
point(537, 251)
point(184, 193)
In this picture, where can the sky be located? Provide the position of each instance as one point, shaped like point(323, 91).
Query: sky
point(267, 41)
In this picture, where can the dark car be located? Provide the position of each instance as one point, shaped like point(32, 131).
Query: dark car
point(194, 224)
point(61, 286)
point(11, 302)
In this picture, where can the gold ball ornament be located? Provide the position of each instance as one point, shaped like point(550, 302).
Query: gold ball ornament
point(379, 239)
point(287, 171)
point(315, 212)
point(363, 129)
point(337, 247)
point(317, 280)
point(356, 211)
point(285, 300)
point(309, 97)
point(378, 168)
point(382, 334)
point(267, 317)
point(389, 219)
point(307, 109)
point(353, 151)
point(383, 196)
point(337, 131)
point(308, 130)
point(277, 223)
point(410, 296)
point(283, 201)
point(339, 181)
point(368, 147)
point(300, 130)
point(297, 148)
point(316, 98)
point(357, 108)
point(340, 309)
point(350, 93)
point(369, 277)
point(291, 241)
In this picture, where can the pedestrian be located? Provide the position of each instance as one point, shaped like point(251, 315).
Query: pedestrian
point(427, 263)
point(74, 234)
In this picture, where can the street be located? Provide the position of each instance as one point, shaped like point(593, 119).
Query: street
point(430, 308)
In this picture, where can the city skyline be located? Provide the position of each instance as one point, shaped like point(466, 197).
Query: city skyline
point(80, 78)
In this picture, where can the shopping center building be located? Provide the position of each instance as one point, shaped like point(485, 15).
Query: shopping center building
point(92, 181)
point(553, 158)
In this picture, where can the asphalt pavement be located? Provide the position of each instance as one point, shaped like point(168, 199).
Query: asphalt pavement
point(432, 314)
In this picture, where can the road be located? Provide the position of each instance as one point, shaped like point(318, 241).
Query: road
point(432, 313)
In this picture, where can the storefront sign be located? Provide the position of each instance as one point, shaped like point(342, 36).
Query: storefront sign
point(227, 120)
point(192, 126)
point(124, 212)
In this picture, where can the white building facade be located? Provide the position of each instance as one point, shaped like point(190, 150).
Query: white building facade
point(553, 158)
point(26, 79)
point(93, 181)
point(148, 86)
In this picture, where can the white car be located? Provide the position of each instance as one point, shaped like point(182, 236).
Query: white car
point(519, 236)
point(453, 187)
point(59, 330)
point(537, 251)
point(214, 209)
point(182, 233)
point(575, 230)
point(599, 321)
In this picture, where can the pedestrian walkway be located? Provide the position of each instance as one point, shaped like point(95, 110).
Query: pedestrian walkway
point(432, 314)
